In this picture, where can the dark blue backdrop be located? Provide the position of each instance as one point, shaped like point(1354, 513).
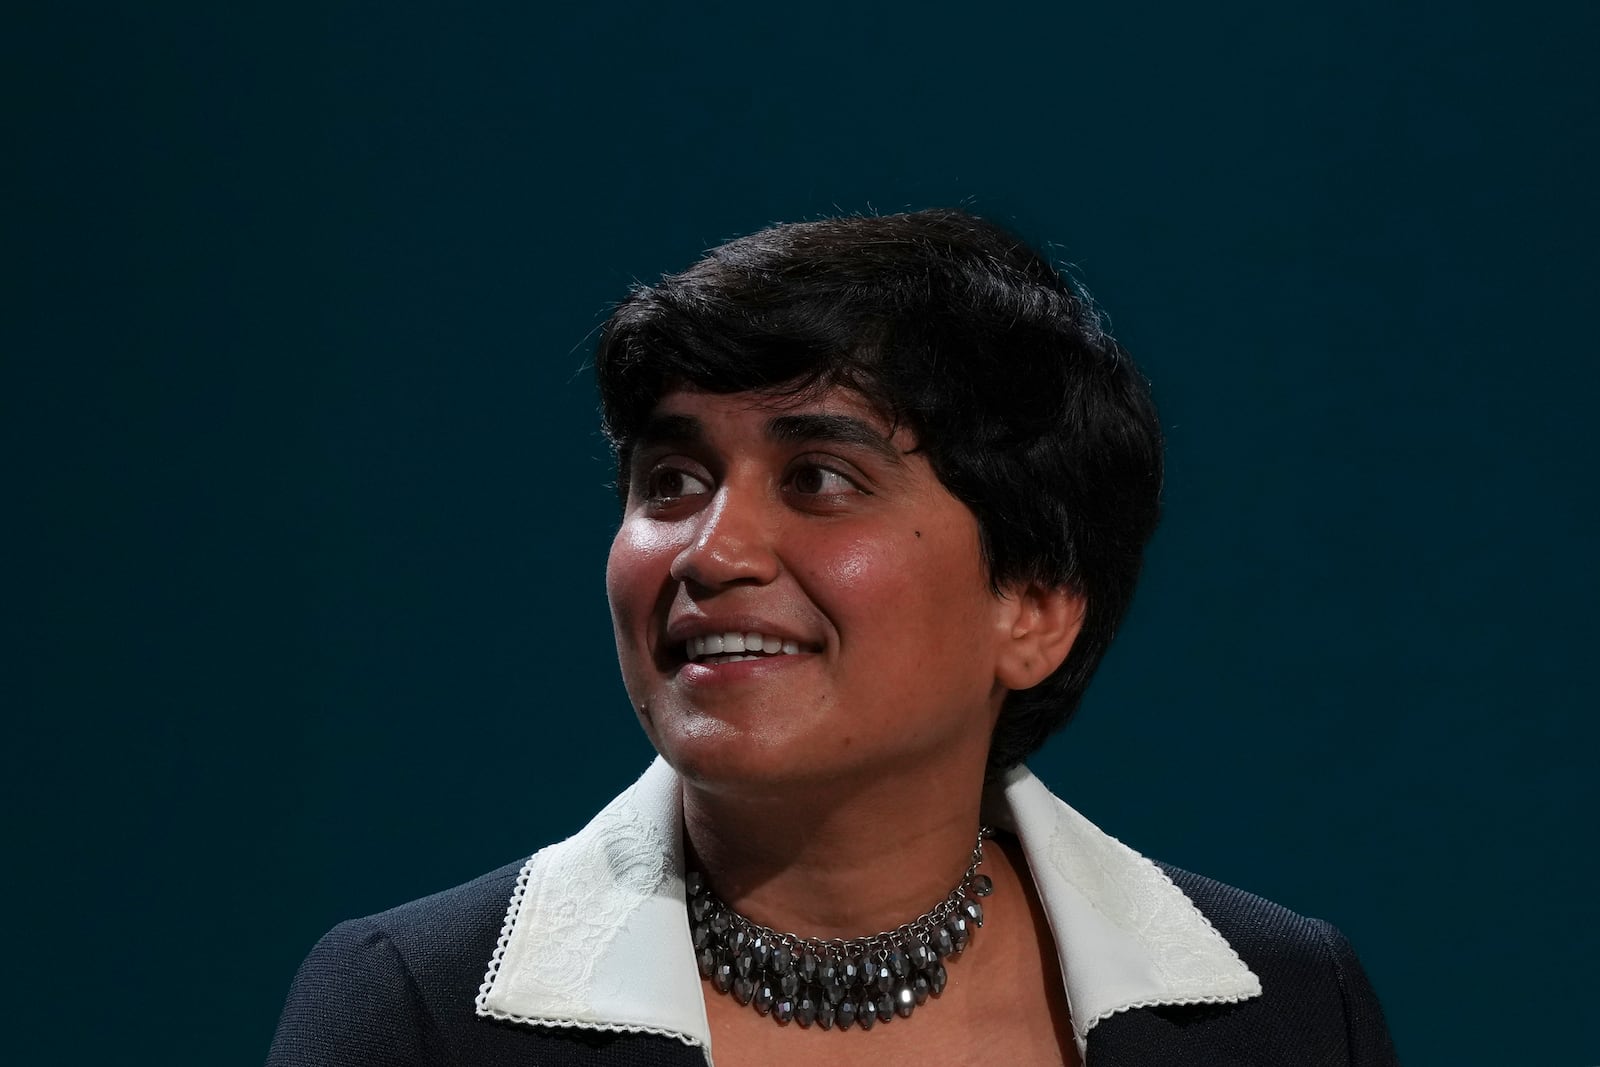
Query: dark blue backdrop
point(305, 607)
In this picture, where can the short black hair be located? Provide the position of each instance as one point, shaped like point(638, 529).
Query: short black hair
point(1028, 410)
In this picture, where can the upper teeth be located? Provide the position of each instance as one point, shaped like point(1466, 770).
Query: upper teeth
point(732, 641)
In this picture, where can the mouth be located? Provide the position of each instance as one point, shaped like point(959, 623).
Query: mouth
point(736, 647)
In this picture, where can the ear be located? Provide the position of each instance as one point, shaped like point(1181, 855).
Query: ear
point(1043, 623)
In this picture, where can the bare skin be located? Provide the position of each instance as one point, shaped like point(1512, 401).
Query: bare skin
point(833, 790)
point(1004, 1004)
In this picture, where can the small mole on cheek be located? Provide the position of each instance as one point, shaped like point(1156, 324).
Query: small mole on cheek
point(917, 532)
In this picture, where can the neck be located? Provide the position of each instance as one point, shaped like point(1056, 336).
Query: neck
point(872, 855)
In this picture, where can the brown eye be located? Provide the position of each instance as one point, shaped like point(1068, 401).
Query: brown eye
point(673, 483)
point(820, 481)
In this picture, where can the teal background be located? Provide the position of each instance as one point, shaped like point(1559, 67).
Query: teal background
point(307, 508)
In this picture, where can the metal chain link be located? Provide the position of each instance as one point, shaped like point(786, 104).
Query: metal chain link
point(921, 928)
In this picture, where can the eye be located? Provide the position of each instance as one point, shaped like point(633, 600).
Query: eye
point(666, 484)
point(812, 479)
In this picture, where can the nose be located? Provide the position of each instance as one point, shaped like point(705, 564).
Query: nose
point(733, 542)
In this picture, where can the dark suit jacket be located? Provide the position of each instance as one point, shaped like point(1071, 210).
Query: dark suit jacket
point(398, 989)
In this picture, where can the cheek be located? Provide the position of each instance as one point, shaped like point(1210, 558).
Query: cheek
point(927, 596)
point(853, 565)
point(881, 578)
point(641, 556)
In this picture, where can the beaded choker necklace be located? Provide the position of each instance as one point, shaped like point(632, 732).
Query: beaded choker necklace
point(857, 981)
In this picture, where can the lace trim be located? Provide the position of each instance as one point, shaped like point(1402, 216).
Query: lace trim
point(586, 886)
point(1152, 910)
point(481, 1002)
point(1165, 1002)
point(579, 1024)
point(1193, 962)
point(571, 902)
point(1195, 912)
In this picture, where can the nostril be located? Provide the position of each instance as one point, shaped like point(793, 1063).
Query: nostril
point(731, 543)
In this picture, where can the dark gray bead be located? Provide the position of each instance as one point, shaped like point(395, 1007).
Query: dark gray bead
point(783, 1010)
point(866, 1014)
point(738, 940)
point(882, 977)
point(942, 942)
point(765, 995)
point(782, 958)
point(973, 911)
point(721, 921)
point(743, 990)
point(695, 883)
point(846, 1013)
point(885, 1005)
point(825, 1015)
point(700, 907)
point(849, 973)
point(744, 966)
point(960, 931)
point(832, 989)
point(905, 1000)
point(722, 977)
point(788, 984)
point(982, 886)
point(805, 1009)
point(937, 978)
point(923, 957)
point(706, 958)
point(700, 935)
point(919, 988)
point(809, 965)
point(761, 951)
point(898, 963)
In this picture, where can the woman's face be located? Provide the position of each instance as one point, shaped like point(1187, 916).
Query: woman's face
point(807, 521)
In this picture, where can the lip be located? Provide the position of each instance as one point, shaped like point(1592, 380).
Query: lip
point(701, 675)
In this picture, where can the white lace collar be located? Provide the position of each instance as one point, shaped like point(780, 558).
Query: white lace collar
point(596, 935)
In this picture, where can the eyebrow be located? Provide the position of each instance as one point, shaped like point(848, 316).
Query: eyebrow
point(835, 429)
point(786, 429)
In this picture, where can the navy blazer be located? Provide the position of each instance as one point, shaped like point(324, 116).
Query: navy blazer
point(397, 989)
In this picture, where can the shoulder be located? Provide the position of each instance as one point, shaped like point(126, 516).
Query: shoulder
point(397, 986)
point(450, 927)
point(1316, 1006)
point(1269, 937)
point(441, 942)
point(1257, 928)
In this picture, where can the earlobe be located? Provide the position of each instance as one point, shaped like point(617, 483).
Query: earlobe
point(1044, 624)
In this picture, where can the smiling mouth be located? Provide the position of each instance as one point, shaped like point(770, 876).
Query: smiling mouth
point(734, 647)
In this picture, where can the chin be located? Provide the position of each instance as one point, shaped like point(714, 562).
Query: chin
point(720, 758)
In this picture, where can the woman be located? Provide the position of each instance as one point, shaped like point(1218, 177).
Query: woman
point(886, 485)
